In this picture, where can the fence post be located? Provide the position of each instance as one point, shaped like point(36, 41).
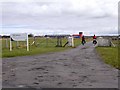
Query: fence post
point(7, 43)
point(10, 44)
point(27, 43)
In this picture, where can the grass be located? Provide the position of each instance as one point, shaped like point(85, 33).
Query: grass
point(110, 55)
point(43, 46)
point(33, 51)
point(116, 42)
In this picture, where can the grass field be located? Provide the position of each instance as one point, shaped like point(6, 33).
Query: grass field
point(110, 54)
point(43, 45)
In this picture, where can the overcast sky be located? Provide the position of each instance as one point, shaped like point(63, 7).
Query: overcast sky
point(59, 16)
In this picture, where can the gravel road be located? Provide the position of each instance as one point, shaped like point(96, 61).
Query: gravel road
point(80, 67)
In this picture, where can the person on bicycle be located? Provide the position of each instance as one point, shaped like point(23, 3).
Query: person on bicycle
point(83, 40)
point(94, 39)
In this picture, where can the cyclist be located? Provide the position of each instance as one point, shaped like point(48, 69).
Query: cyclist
point(83, 40)
point(94, 40)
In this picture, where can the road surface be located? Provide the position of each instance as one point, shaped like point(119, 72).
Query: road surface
point(80, 67)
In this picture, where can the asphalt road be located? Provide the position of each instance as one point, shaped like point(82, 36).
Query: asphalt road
point(80, 67)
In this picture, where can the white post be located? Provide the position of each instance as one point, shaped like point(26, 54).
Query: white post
point(10, 44)
point(27, 43)
point(72, 41)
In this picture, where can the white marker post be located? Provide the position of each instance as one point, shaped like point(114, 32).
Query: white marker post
point(10, 44)
point(27, 43)
point(72, 41)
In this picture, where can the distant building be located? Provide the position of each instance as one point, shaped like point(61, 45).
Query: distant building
point(78, 35)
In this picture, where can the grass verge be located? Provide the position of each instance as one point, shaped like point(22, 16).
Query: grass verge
point(109, 55)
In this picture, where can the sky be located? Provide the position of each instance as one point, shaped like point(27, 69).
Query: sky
point(42, 17)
